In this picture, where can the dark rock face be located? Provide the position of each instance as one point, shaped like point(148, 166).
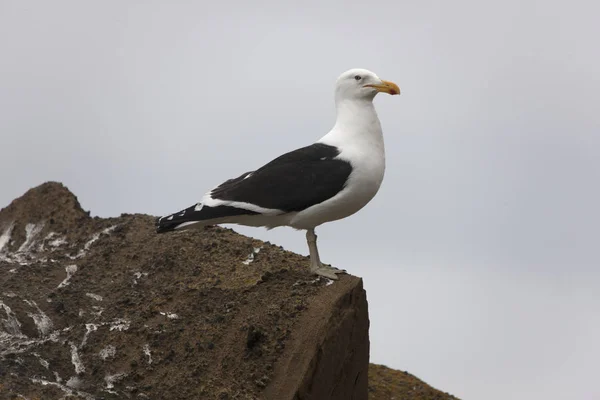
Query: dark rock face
point(332, 352)
point(105, 308)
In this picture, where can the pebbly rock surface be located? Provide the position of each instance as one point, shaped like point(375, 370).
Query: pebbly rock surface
point(103, 308)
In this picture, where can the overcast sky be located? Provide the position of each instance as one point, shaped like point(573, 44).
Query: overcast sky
point(480, 253)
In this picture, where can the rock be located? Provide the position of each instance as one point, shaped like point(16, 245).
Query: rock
point(181, 321)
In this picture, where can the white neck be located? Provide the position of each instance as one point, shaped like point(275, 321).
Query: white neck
point(357, 124)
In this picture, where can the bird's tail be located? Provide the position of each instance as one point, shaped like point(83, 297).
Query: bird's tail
point(198, 215)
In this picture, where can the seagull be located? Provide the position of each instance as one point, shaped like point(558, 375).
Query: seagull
point(326, 181)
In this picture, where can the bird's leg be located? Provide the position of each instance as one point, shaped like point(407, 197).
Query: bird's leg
point(316, 266)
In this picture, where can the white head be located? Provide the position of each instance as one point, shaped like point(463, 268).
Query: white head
point(362, 84)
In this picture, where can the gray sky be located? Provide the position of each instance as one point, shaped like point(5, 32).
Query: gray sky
point(480, 253)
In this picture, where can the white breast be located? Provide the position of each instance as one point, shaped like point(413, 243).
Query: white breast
point(365, 152)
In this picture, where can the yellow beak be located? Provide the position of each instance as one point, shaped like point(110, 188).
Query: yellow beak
point(386, 87)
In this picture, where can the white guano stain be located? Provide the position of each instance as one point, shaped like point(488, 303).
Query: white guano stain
point(24, 254)
point(96, 297)
point(111, 379)
point(75, 382)
point(70, 269)
point(252, 256)
point(97, 311)
point(94, 238)
point(10, 324)
point(42, 322)
point(43, 362)
point(31, 231)
point(5, 237)
point(67, 390)
point(138, 275)
point(54, 243)
point(57, 242)
point(148, 353)
point(107, 352)
point(76, 360)
point(19, 343)
point(120, 324)
point(170, 315)
point(15, 344)
point(89, 328)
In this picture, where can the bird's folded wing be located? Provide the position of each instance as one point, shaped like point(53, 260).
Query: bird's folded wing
point(292, 182)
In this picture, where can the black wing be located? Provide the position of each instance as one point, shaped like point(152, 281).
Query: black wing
point(292, 182)
point(194, 213)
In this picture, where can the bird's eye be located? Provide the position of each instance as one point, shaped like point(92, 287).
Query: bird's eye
point(358, 77)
